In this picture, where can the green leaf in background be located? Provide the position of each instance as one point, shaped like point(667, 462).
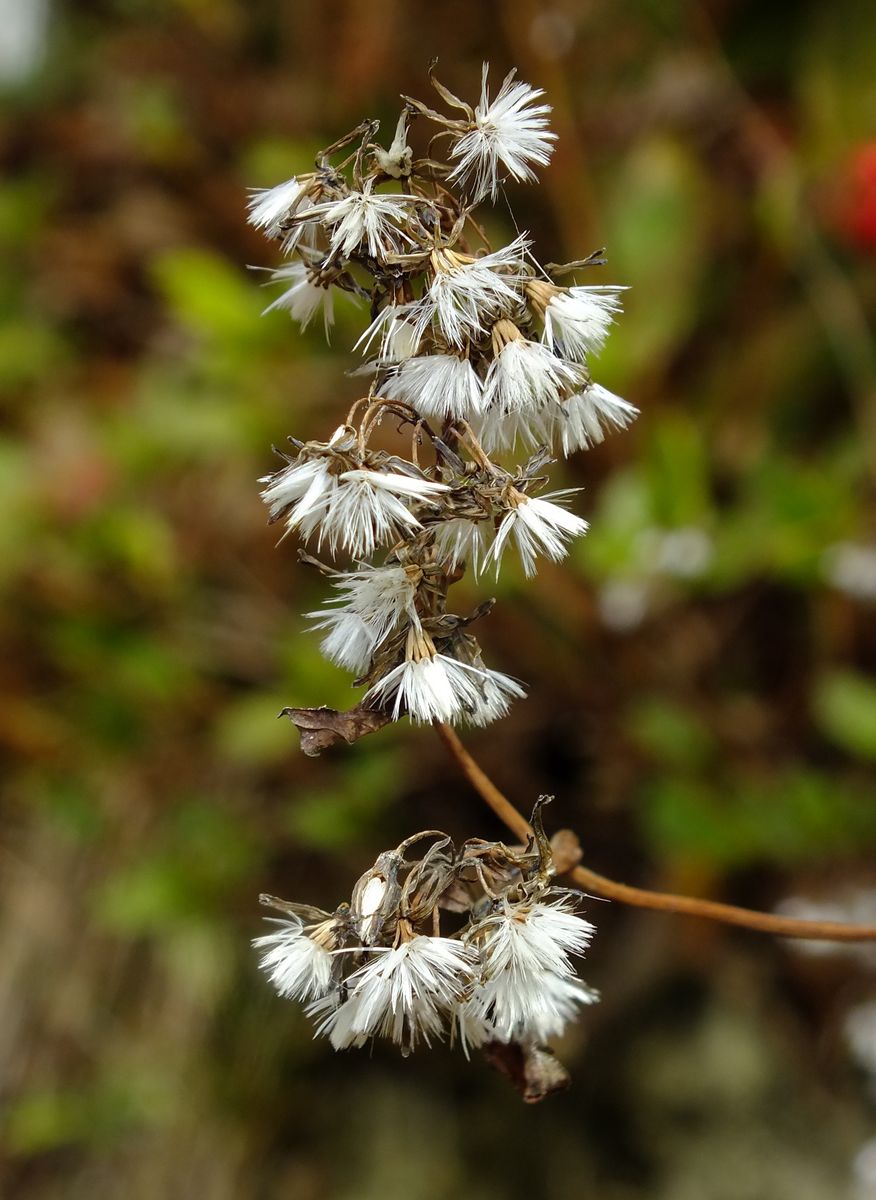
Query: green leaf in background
point(210, 296)
point(623, 511)
point(844, 704)
point(71, 805)
point(125, 1096)
point(269, 160)
point(676, 458)
point(186, 873)
point(670, 733)
point(335, 816)
point(790, 815)
point(657, 222)
point(248, 731)
point(30, 351)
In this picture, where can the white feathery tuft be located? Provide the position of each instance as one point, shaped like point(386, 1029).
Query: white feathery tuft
point(539, 527)
point(577, 320)
point(465, 297)
point(405, 993)
point(511, 130)
point(303, 298)
point(298, 967)
point(363, 218)
point(436, 385)
point(586, 417)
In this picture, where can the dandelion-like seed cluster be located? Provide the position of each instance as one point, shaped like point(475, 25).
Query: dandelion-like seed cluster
point(474, 352)
point(383, 965)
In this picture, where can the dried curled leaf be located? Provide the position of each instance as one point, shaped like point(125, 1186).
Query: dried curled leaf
point(321, 728)
point(535, 1071)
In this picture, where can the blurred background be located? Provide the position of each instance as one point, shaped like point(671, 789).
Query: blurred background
point(702, 670)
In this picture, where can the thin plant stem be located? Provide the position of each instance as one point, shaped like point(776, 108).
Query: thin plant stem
point(610, 889)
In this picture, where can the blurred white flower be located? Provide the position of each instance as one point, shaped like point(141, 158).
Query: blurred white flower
point(685, 552)
point(864, 1172)
point(853, 906)
point(851, 567)
point(623, 603)
point(23, 38)
point(859, 1027)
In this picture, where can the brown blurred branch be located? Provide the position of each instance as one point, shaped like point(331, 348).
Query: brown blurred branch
point(599, 885)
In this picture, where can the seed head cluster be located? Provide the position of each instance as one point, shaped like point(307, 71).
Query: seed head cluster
point(476, 355)
point(386, 965)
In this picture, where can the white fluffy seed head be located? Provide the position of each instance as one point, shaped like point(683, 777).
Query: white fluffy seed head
point(465, 297)
point(429, 689)
point(397, 331)
point(269, 208)
point(577, 320)
point(436, 385)
point(349, 643)
point(304, 484)
point(369, 509)
point(460, 541)
point(536, 1009)
point(496, 691)
point(527, 988)
point(355, 510)
point(585, 418)
point(532, 936)
point(362, 218)
point(526, 377)
point(511, 131)
point(302, 298)
point(498, 431)
point(378, 596)
point(540, 527)
point(298, 966)
point(437, 687)
point(404, 994)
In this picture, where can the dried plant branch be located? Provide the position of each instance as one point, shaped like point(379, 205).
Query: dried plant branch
point(599, 885)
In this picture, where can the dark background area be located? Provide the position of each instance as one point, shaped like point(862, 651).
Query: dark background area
point(701, 670)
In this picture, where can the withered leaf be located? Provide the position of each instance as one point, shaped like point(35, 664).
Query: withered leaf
point(535, 1071)
point(321, 728)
